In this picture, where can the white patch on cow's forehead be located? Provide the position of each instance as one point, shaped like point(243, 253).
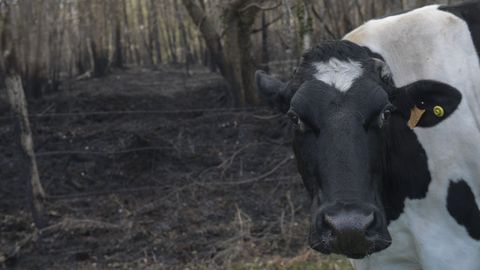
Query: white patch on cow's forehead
point(338, 73)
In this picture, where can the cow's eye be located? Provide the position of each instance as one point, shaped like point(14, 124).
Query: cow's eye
point(299, 125)
point(385, 115)
point(294, 118)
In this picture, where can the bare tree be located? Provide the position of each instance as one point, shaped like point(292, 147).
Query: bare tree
point(18, 103)
point(306, 23)
point(87, 37)
point(233, 57)
point(154, 32)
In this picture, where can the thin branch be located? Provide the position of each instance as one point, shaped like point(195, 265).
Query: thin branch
point(256, 5)
point(103, 193)
point(325, 26)
point(67, 224)
point(268, 24)
point(359, 10)
point(253, 179)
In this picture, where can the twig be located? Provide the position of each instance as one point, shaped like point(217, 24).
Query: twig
point(228, 162)
point(66, 224)
point(155, 204)
point(267, 24)
point(102, 193)
point(256, 5)
point(253, 179)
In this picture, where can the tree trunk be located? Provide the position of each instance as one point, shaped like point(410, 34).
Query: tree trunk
point(172, 44)
point(118, 53)
point(143, 35)
point(235, 61)
point(210, 34)
point(265, 55)
point(128, 42)
point(306, 25)
point(184, 39)
point(28, 164)
point(16, 97)
point(155, 33)
point(237, 54)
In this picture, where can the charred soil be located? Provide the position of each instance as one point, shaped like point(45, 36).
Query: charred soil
point(151, 170)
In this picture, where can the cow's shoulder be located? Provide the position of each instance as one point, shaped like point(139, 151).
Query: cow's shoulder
point(417, 43)
point(403, 26)
point(470, 13)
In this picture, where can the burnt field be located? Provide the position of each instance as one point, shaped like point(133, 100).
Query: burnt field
point(154, 170)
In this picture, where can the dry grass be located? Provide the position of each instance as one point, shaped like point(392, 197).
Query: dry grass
point(306, 259)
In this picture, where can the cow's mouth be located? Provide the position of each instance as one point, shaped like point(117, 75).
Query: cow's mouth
point(324, 249)
point(352, 248)
point(349, 253)
point(356, 255)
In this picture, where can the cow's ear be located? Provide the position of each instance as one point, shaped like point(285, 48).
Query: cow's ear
point(426, 103)
point(273, 91)
point(383, 70)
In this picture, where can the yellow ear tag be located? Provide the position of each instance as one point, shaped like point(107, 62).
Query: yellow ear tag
point(415, 115)
point(438, 111)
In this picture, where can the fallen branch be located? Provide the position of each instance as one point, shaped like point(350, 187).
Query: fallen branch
point(66, 225)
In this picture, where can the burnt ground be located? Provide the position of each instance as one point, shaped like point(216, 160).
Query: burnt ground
point(152, 170)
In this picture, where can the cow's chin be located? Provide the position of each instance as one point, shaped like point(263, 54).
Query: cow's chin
point(351, 248)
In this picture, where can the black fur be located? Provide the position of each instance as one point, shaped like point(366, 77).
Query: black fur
point(352, 158)
point(406, 172)
point(462, 206)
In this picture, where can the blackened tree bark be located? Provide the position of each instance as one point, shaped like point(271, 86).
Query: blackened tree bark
point(183, 37)
point(144, 35)
point(210, 34)
point(233, 58)
point(155, 34)
point(240, 66)
point(118, 60)
point(306, 24)
point(265, 55)
point(127, 35)
point(26, 154)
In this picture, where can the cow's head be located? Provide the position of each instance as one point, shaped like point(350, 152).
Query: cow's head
point(342, 101)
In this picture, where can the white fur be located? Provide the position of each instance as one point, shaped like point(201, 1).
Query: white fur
point(428, 43)
point(338, 73)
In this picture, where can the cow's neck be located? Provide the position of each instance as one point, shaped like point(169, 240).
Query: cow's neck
point(406, 172)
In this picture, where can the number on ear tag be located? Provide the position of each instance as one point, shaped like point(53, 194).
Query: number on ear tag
point(415, 115)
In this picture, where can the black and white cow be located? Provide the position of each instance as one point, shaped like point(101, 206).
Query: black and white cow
point(388, 139)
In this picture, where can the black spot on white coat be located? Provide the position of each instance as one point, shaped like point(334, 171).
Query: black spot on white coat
point(463, 208)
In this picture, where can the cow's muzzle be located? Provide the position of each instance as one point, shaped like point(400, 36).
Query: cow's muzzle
point(349, 230)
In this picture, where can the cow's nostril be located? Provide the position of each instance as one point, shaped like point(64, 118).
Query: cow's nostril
point(329, 222)
point(368, 222)
point(349, 222)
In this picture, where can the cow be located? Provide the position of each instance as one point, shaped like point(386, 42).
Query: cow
point(387, 139)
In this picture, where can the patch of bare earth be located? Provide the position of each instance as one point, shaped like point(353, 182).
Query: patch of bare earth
point(152, 170)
